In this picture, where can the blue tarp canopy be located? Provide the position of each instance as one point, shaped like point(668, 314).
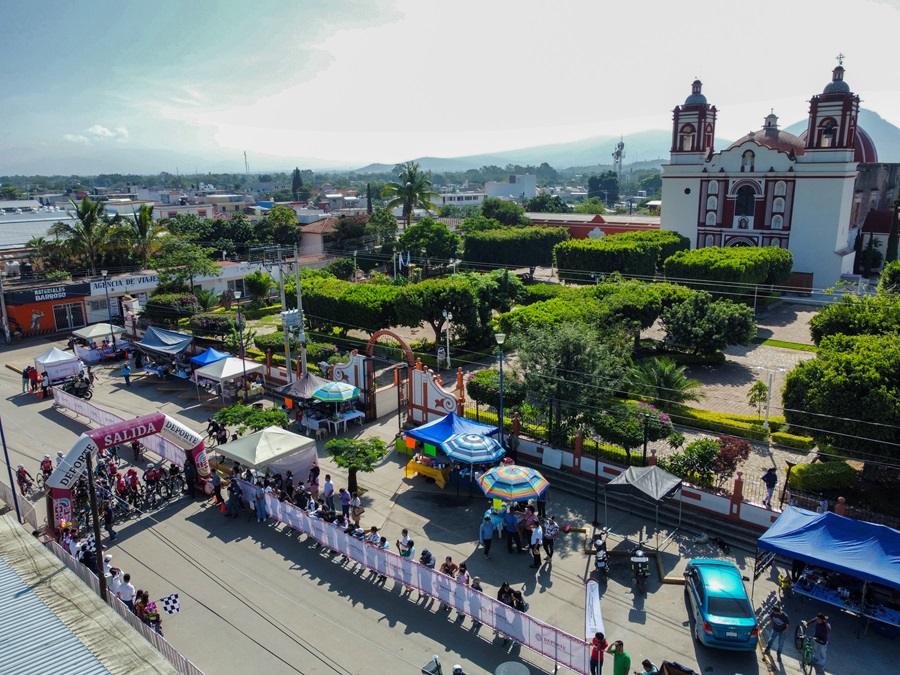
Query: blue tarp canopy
point(440, 430)
point(209, 356)
point(863, 550)
point(164, 342)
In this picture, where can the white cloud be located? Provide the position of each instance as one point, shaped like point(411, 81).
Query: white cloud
point(98, 134)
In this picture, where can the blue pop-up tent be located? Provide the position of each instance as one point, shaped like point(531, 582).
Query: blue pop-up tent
point(209, 356)
point(438, 431)
point(863, 550)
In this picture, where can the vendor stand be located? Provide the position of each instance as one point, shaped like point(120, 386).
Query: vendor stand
point(166, 353)
point(99, 342)
point(228, 376)
point(429, 466)
point(851, 564)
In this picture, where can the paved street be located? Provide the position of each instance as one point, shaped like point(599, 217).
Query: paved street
point(259, 597)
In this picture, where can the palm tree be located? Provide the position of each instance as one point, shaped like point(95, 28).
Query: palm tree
point(413, 189)
point(663, 383)
point(142, 232)
point(91, 233)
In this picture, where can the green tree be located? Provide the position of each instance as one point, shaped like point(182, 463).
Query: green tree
point(605, 186)
point(349, 232)
point(243, 417)
point(652, 184)
point(889, 283)
point(178, 261)
point(545, 203)
point(427, 300)
point(91, 232)
point(382, 226)
point(297, 190)
point(504, 212)
point(411, 190)
point(702, 326)
point(429, 240)
point(259, 284)
point(663, 383)
point(483, 386)
point(11, 192)
point(569, 371)
point(857, 316)
point(355, 455)
point(629, 424)
point(757, 396)
point(696, 464)
point(142, 232)
point(278, 227)
point(342, 268)
point(848, 397)
point(592, 205)
point(207, 299)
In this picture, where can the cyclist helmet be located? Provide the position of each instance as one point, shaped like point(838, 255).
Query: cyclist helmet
point(150, 466)
point(59, 453)
point(46, 456)
point(21, 466)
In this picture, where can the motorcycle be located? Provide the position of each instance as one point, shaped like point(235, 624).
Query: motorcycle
point(640, 565)
point(80, 388)
point(601, 556)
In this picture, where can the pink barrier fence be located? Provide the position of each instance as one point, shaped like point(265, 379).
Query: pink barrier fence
point(558, 646)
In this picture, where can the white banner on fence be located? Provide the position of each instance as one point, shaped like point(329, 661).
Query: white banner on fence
point(560, 647)
point(593, 618)
point(154, 443)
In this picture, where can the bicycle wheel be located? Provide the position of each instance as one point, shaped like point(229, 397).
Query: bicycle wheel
point(799, 635)
point(177, 485)
point(39, 482)
point(806, 660)
point(165, 492)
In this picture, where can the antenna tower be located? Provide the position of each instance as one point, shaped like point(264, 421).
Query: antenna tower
point(618, 155)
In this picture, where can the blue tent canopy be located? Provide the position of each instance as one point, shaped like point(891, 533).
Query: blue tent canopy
point(863, 550)
point(163, 342)
point(209, 356)
point(438, 431)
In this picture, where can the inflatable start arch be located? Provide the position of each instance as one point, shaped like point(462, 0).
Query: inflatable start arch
point(66, 475)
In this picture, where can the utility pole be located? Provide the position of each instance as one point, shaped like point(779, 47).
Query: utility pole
point(302, 335)
point(3, 310)
point(287, 333)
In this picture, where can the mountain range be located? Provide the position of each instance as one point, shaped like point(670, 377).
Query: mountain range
point(647, 147)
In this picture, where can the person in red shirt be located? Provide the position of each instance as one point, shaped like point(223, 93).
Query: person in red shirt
point(598, 648)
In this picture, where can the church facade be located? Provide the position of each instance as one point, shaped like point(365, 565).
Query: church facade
point(770, 187)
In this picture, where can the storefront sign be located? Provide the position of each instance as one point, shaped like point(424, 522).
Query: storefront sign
point(125, 284)
point(33, 295)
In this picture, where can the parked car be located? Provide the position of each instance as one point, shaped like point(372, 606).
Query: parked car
point(723, 615)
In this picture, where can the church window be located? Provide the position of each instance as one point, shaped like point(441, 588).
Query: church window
point(777, 222)
point(775, 243)
point(743, 224)
point(687, 137)
point(711, 218)
point(745, 202)
point(827, 131)
point(713, 188)
point(708, 137)
point(780, 188)
point(778, 205)
point(712, 203)
point(709, 241)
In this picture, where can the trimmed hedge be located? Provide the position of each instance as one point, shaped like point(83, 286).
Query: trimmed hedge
point(707, 268)
point(254, 314)
point(169, 307)
point(668, 241)
point(514, 247)
point(576, 259)
point(821, 477)
point(540, 292)
point(792, 441)
point(747, 426)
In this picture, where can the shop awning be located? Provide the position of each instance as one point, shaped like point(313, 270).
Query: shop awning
point(98, 331)
point(271, 446)
point(228, 368)
point(646, 481)
point(209, 356)
point(302, 388)
point(164, 342)
point(864, 550)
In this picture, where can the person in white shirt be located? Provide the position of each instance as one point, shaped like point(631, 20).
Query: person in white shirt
point(328, 492)
point(126, 591)
point(115, 580)
point(537, 537)
point(551, 532)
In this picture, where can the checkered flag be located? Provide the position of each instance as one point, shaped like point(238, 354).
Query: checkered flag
point(170, 604)
point(89, 545)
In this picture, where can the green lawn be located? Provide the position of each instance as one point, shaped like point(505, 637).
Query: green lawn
point(785, 345)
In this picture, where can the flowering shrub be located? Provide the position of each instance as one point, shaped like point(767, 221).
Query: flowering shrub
point(169, 307)
point(214, 323)
point(624, 424)
point(483, 386)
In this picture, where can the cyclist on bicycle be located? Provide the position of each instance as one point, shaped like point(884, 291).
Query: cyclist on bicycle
point(23, 478)
point(46, 466)
point(151, 477)
point(121, 487)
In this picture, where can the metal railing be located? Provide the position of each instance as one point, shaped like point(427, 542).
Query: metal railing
point(26, 508)
point(172, 655)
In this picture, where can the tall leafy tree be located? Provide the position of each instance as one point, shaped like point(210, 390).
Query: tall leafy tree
point(278, 227)
point(297, 189)
point(142, 233)
point(382, 225)
point(604, 186)
point(411, 190)
point(179, 262)
point(90, 234)
point(546, 204)
point(506, 213)
point(663, 383)
point(427, 300)
point(429, 240)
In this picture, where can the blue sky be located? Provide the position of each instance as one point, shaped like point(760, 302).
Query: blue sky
point(137, 86)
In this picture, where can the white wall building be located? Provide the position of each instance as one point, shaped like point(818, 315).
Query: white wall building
point(771, 188)
point(517, 187)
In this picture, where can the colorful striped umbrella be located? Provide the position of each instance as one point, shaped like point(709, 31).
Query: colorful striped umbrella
point(336, 392)
point(473, 448)
point(513, 483)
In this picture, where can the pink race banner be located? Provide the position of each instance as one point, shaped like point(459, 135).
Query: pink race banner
point(562, 648)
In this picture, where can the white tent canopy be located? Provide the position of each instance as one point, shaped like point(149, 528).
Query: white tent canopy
point(98, 331)
point(228, 369)
point(273, 447)
point(58, 364)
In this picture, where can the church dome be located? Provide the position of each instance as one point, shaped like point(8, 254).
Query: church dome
point(696, 98)
point(770, 136)
point(837, 84)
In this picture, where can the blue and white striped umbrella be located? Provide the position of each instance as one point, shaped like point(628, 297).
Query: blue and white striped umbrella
point(473, 448)
point(336, 392)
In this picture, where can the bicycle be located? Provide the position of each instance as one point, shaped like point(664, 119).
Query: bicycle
point(39, 481)
point(804, 645)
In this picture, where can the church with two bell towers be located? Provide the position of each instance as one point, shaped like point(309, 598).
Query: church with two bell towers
point(770, 187)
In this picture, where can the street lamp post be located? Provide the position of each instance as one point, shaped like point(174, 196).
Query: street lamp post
point(646, 421)
point(501, 338)
point(104, 274)
point(237, 298)
point(768, 394)
point(448, 316)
